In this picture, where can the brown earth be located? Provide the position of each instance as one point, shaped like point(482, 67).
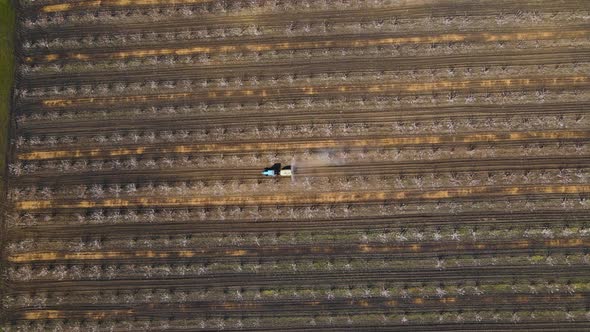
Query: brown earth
point(440, 150)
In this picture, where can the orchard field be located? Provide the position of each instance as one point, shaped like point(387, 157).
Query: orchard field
point(441, 149)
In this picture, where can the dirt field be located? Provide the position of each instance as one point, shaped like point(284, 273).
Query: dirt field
point(441, 149)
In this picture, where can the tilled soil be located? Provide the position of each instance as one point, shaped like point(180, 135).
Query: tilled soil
point(440, 151)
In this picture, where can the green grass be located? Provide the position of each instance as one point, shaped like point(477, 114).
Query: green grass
point(7, 21)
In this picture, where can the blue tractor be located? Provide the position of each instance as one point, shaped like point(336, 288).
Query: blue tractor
point(276, 170)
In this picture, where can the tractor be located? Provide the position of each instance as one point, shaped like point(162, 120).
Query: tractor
point(276, 170)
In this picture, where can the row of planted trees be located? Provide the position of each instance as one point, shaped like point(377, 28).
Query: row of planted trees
point(286, 268)
point(487, 319)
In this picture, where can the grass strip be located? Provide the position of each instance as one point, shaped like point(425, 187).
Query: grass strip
point(7, 22)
